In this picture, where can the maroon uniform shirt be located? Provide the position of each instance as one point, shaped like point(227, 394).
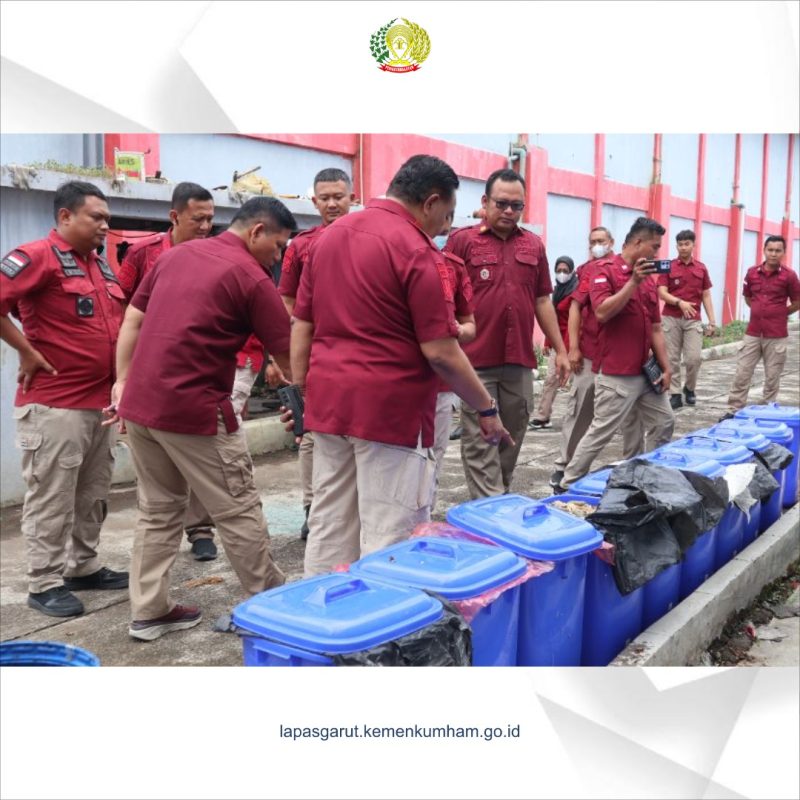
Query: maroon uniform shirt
point(201, 303)
point(71, 310)
point(686, 282)
point(295, 259)
point(507, 276)
point(375, 287)
point(140, 258)
point(625, 338)
point(768, 293)
point(589, 340)
point(462, 294)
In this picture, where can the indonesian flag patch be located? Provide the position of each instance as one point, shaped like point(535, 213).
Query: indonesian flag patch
point(14, 263)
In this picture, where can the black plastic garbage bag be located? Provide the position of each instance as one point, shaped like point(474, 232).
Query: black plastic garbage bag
point(763, 483)
point(444, 643)
point(776, 456)
point(652, 514)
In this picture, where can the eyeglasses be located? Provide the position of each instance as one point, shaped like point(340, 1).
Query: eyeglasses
point(516, 206)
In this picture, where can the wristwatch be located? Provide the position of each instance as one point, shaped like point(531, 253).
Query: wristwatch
point(491, 411)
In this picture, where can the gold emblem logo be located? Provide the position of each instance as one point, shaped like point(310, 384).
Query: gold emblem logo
point(400, 46)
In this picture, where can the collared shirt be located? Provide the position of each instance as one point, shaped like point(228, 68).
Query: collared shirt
point(462, 294)
point(295, 258)
point(201, 302)
point(375, 287)
point(625, 338)
point(140, 258)
point(507, 277)
point(589, 340)
point(686, 282)
point(71, 309)
point(768, 292)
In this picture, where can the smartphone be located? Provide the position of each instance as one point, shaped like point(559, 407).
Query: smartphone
point(660, 265)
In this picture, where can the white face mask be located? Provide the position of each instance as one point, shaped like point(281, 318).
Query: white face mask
point(563, 277)
point(440, 241)
point(599, 250)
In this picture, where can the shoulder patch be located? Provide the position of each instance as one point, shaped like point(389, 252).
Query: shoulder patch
point(69, 265)
point(14, 263)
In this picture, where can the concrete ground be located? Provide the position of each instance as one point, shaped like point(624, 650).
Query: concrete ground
point(214, 587)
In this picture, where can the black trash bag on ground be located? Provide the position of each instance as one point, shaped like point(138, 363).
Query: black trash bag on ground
point(776, 456)
point(652, 514)
point(763, 483)
point(444, 643)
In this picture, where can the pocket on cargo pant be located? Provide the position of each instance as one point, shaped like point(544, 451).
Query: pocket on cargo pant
point(404, 476)
point(237, 468)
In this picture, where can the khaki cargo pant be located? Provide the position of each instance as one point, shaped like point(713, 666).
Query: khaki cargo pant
point(616, 398)
point(579, 414)
point(754, 348)
point(367, 496)
point(684, 337)
point(219, 470)
point(305, 458)
point(441, 435)
point(67, 461)
point(490, 469)
point(549, 389)
point(198, 523)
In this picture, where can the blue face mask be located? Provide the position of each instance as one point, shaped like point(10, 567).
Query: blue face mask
point(440, 241)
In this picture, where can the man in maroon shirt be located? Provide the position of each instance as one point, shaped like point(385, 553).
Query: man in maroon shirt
point(376, 301)
point(191, 216)
point(772, 293)
point(583, 332)
point(333, 196)
point(508, 268)
point(175, 366)
point(70, 305)
point(626, 305)
point(683, 289)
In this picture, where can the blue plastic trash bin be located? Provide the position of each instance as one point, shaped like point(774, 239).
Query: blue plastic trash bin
point(593, 484)
point(610, 619)
point(698, 560)
point(45, 654)
point(730, 530)
point(296, 624)
point(458, 570)
point(790, 416)
point(551, 606)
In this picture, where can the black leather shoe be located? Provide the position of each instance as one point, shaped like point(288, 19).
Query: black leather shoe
point(304, 529)
point(555, 478)
point(691, 398)
point(676, 401)
point(104, 578)
point(729, 415)
point(456, 434)
point(204, 550)
point(56, 602)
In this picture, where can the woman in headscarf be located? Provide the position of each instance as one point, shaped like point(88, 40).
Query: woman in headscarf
point(566, 283)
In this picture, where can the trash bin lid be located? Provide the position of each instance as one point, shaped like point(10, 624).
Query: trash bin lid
point(23, 653)
point(775, 431)
point(455, 569)
point(723, 452)
point(688, 461)
point(527, 527)
point(593, 483)
point(788, 414)
point(337, 613)
point(752, 440)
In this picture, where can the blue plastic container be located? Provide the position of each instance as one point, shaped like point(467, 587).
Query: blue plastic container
point(458, 570)
point(610, 619)
point(790, 416)
point(296, 624)
point(593, 484)
point(731, 528)
point(45, 654)
point(764, 513)
point(551, 606)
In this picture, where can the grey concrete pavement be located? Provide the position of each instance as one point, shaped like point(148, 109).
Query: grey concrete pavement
point(214, 587)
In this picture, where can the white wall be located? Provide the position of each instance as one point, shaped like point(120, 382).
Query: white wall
point(568, 223)
point(573, 151)
point(720, 163)
point(619, 221)
point(751, 171)
point(673, 226)
point(776, 170)
point(629, 158)
point(749, 245)
point(679, 163)
point(24, 148)
point(715, 257)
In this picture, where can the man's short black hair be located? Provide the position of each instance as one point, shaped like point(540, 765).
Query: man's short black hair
point(420, 177)
point(72, 195)
point(268, 210)
point(602, 228)
point(332, 175)
point(685, 236)
point(503, 175)
point(770, 239)
point(644, 225)
point(186, 191)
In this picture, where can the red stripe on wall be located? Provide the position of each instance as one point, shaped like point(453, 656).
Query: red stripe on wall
point(571, 184)
point(342, 144)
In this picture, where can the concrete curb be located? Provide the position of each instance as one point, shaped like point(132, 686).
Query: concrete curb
point(264, 435)
point(681, 636)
